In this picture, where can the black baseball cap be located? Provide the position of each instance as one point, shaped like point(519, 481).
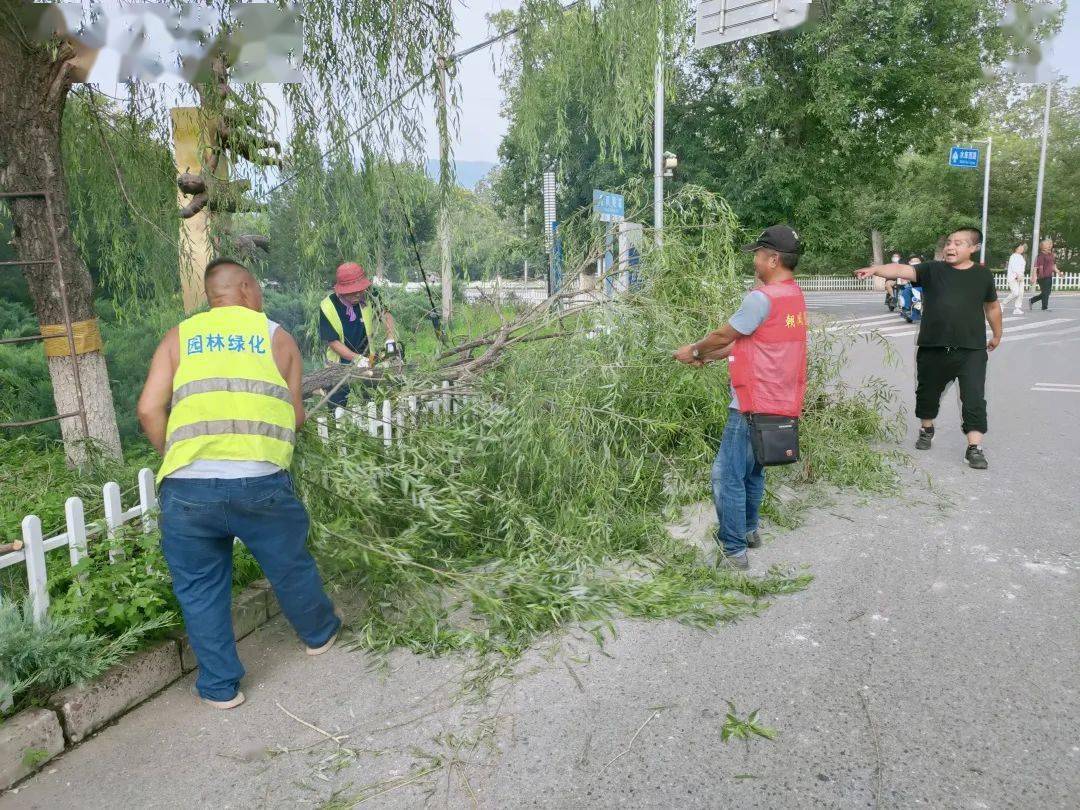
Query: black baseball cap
point(780, 238)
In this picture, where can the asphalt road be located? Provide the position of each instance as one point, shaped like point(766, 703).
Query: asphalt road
point(934, 661)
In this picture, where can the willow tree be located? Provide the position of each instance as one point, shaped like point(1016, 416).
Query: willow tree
point(579, 81)
point(34, 82)
point(358, 56)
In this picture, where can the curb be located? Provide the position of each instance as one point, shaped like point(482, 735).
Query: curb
point(35, 736)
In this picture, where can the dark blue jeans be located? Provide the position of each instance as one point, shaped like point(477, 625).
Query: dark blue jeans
point(199, 519)
point(738, 485)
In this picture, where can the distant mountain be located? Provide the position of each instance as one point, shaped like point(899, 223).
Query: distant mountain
point(468, 172)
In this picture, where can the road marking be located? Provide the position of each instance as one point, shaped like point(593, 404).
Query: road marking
point(1057, 385)
point(1006, 336)
point(1051, 333)
point(1058, 390)
point(883, 317)
point(870, 324)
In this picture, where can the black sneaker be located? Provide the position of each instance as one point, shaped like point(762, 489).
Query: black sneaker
point(975, 457)
point(753, 539)
point(926, 437)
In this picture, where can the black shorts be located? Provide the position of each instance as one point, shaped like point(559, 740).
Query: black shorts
point(936, 367)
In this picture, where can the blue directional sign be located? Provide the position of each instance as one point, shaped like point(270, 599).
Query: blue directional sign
point(608, 205)
point(964, 157)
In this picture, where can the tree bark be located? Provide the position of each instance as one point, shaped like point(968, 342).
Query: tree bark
point(877, 246)
point(445, 265)
point(33, 90)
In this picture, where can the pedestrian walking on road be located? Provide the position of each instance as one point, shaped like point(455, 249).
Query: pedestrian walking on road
point(1015, 273)
point(765, 342)
point(959, 299)
point(222, 403)
point(1043, 272)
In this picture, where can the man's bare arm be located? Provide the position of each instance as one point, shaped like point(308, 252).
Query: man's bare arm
point(153, 407)
point(992, 310)
point(291, 365)
point(888, 271)
point(709, 347)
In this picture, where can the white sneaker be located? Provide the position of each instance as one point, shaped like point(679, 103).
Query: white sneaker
point(330, 642)
point(224, 704)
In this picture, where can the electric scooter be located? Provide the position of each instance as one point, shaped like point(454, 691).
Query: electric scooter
point(910, 302)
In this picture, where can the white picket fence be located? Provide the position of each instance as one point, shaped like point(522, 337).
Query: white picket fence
point(1067, 281)
point(385, 419)
point(389, 419)
point(76, 535)
point(1064, 282)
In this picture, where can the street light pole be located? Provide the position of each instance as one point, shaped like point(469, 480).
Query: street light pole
point(658, 138)
point(986, 197)
point(1039, 185)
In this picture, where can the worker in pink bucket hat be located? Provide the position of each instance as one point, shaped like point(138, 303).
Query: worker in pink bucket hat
point(348, 319)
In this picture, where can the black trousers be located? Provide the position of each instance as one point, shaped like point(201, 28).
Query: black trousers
point(1045, 286)
point(936, 367)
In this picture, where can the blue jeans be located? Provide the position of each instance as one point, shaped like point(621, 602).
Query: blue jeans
point(199, 519)
point(738, 485)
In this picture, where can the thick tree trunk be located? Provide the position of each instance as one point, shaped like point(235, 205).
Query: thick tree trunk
point(33, 90)
point(877, 246)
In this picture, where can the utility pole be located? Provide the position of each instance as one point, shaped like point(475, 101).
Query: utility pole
point(658, 137)
point(525, 236)
point(986, 197)
point(1039, 186)
point(443, 124)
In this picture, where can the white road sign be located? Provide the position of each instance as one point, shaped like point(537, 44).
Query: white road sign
point(720, 22)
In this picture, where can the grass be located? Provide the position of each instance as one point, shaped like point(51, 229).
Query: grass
point(736, 728)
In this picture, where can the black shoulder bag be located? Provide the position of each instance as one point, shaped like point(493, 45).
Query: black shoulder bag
point(775, 439)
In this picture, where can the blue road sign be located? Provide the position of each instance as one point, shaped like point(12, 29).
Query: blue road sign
point(964, 157)
point(608, 205)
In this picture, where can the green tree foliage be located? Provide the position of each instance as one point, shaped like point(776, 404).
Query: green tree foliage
point(813, 127)
point(579, 89)
point(123, 199)
point(929, 196)
point(799, 127)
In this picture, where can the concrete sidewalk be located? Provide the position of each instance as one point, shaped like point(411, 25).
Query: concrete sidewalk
point(933, 661)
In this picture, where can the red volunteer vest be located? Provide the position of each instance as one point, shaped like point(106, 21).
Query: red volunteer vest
point(768, 368)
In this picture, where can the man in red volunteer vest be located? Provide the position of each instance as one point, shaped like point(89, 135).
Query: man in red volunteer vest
point(765, 344)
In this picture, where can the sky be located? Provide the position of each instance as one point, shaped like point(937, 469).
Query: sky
point(482, 128)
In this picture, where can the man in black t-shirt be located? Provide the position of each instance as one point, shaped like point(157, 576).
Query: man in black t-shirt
point(959, 299)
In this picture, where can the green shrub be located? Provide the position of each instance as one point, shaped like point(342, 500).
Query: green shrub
point(38, 660)
point(107, 596)
point(16, 320)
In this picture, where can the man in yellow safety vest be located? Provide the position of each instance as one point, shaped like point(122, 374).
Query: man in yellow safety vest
point(347, 322)
point(222, 403)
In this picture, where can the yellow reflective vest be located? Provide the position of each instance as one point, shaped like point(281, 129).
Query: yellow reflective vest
point(229, 400)
point(367, 312)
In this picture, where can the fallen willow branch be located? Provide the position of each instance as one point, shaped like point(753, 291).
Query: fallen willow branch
point(329, 376)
